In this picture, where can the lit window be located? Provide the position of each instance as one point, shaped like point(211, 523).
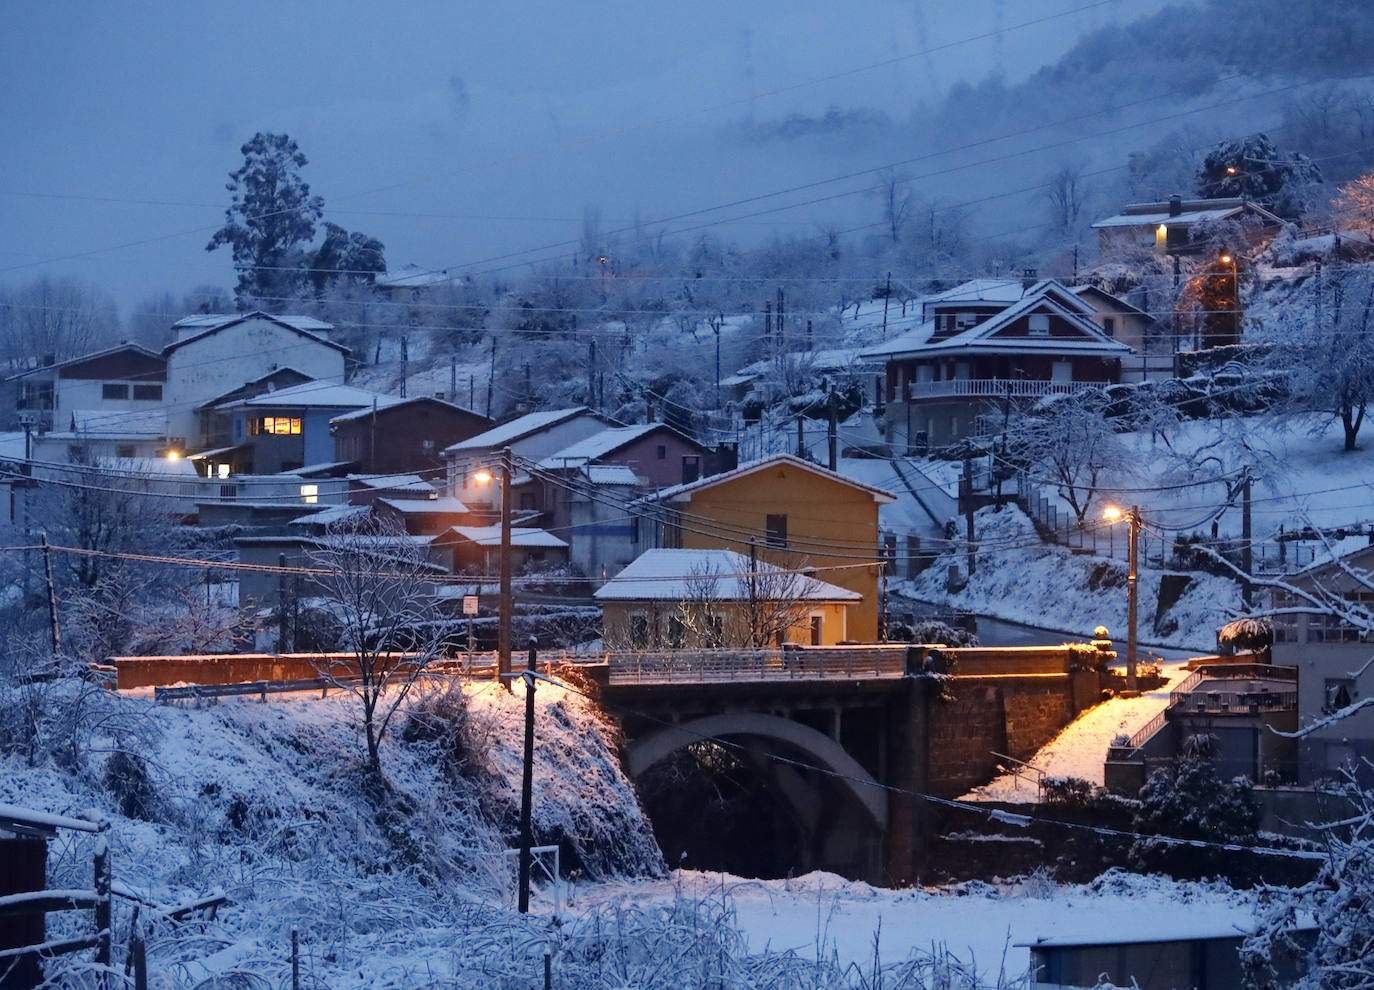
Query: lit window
point(310, 493)
point(280, 426)
point(222, 470)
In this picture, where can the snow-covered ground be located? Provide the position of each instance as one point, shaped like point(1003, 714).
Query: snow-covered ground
point(1021, 579)
point(821, 914)
point(1078, 750)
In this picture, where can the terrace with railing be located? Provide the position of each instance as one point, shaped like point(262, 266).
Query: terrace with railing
point(995, 388)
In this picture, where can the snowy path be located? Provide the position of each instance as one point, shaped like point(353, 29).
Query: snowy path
point(1079, 750)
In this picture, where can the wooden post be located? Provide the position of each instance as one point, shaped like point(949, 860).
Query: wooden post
point(548, 970)
point(966, 488)
point(138, 956)
point(103, 904)
point(52, 596)
point(295, 958)
point(887, 295)
point(1247, 555)
point(527, 782)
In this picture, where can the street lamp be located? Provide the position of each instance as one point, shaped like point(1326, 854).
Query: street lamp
point(484, 477)
point(1112, 514)
point(1229, 259)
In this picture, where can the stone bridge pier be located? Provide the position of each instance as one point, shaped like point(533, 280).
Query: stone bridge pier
point(847, 738)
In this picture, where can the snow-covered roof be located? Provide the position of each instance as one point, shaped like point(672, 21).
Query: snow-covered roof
point(391, 482)
point(412, 276)
point(999, 290)
point(95, 356)
point(151, 423)
point(673, 575)
point(683, 493)
point(908, 341)
point(364, 413)
point(208, 321)
point(610, 474)
point(520, 536)
point(1048, 293)
point(422, 506)
point(317, 395)
point(519, 428)
point(331, 515)
point(199, 327)
point(598, 445)
point(830, 359)
point(1193, 211)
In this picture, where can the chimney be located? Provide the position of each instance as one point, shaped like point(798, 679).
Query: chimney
point(1175, 205)
point(1029, 276)
point(649, 418)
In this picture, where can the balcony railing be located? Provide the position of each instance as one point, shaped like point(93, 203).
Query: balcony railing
point(994, 388)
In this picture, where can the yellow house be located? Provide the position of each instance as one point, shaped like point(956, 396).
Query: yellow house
point(792, 513)
point(712, 598)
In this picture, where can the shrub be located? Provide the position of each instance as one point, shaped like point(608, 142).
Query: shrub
point(1186, 799)
point(126, 778)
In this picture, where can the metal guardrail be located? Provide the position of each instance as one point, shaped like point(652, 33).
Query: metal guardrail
point(716, 666)
point(1186, 698)
point(1143, 735)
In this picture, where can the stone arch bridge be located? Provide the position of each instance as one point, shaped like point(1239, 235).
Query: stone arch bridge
point(879, 722)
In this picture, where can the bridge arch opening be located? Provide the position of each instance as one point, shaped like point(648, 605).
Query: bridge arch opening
point(736, 792)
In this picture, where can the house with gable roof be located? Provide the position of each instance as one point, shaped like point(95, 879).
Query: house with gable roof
point(405, 435)
point(215, 354)
point(580, 492)
point(1168, 227)
point(975, 352)
point(531, 437)
point(125, 378)
point(788, 512)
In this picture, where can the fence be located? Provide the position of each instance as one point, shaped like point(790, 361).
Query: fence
point(715, 666)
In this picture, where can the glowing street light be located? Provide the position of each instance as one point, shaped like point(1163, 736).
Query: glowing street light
point(1113, 514)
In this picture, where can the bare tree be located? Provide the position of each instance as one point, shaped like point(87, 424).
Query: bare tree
point(380, 587)
point(1067, 196)
point(895, 199)
point(54, 318)
point(1069, 440)
point(1354, 204)
point(751, 607)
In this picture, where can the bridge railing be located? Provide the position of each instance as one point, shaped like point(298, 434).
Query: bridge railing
point(710, 666)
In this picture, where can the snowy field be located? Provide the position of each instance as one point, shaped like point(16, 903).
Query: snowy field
point(824, 915)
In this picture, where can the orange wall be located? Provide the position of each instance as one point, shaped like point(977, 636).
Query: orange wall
point(828, 523)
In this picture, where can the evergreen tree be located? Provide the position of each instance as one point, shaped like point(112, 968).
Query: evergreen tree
point(1253, 168)
point(270, 217)
point(353, 257)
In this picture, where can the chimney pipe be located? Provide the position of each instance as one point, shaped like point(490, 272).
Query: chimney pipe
point(1029, 276)
point(1175, 205)
point(650, 417)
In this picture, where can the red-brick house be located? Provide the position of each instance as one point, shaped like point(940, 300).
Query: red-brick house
point(409, 435)
point(975, 351)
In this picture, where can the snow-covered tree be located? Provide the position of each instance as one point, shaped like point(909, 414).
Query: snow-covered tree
point(270, 219)
point(54, 317)
point(1328, 350)
point(1354, 203)
point(1253, 168)
point(1068, 441)
point(380, 588)
point(346, 256)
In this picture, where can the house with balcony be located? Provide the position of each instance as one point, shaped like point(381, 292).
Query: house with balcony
point(978, 350)
point(1240, 707)
point(1331, 644)
point(123, 379)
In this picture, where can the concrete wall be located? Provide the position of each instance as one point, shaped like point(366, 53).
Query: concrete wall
point(1348, 741)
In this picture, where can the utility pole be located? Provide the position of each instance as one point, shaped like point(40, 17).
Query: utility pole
point(281, 603)
point(832, 429)
point(491, 376)
point(453, 378)
point(504, 624)
point(1075, 264)
point(768, 322)
point(966, 493)
point(809, 344)
point(405, 364)
point(1247, 557)
point(780, 326)
point(52, 595)
point(527, 780)
point(801, 435)
point(591, 373)
point(887, 296)
point(1132, 599)
point(753, 592)
point(716, 325)
point(472, 392)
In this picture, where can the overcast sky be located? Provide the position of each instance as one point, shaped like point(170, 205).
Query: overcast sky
point(455, 132)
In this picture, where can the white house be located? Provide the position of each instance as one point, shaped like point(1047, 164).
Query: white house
point(215, 354)
point(124, 378)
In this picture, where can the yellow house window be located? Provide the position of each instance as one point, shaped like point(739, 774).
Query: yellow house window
point(1162, 236)
point(310, 493)
point(275, 426)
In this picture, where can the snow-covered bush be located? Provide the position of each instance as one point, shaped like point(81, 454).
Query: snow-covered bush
point(1185, 799)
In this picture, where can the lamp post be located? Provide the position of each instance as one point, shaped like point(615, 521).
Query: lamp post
point(484, 477)
point(1132, 516)
point(1229, 259)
